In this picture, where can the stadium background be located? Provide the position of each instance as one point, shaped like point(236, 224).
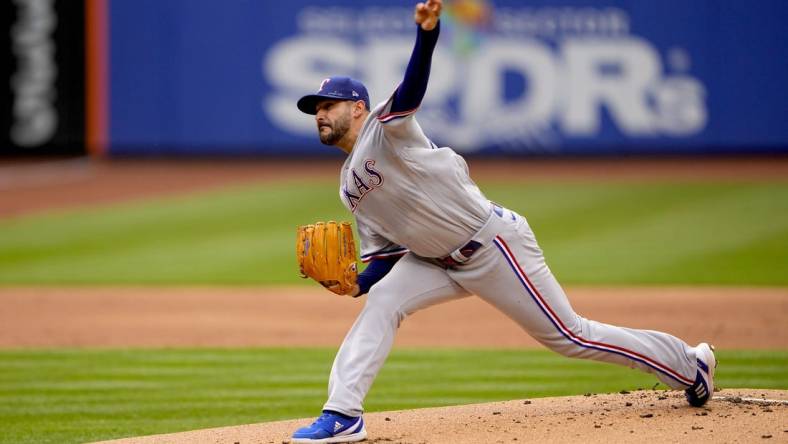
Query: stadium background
point(154, 167)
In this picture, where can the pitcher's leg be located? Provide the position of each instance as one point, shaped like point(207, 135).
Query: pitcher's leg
point(513, 277)
point(410, 286)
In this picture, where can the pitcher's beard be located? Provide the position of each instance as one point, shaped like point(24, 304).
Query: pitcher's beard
point(338, 131)
point(330, 138)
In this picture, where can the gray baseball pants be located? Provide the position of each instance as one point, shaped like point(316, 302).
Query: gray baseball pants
point(510, 273)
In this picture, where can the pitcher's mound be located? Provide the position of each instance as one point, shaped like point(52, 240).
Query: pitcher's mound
point(740, 415)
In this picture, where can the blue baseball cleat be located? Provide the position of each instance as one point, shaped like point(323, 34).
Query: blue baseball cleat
point(332, 427)
point(701, 391)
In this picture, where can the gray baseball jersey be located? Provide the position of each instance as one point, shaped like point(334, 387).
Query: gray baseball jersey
point(406, 193)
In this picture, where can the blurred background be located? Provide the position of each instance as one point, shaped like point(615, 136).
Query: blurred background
point(154, 166)
point(140, 108)
point(558, 77)
point(158, 142)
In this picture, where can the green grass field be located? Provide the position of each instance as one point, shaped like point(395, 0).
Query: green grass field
point(63, 396)
point(592, 233)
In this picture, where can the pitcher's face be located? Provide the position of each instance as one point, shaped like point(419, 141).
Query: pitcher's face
point(333, 120)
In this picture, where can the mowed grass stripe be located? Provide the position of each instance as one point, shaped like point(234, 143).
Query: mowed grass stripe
point(230, 236)
point(131, 392)
point(760, 260)
point(670, 237)
point(592, 233)
point(62, 396)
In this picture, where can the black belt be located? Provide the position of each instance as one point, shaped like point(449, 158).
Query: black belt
point(484, 235)
point(465, 252)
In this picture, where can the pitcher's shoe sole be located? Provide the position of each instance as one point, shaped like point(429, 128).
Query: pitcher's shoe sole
point(700, 392)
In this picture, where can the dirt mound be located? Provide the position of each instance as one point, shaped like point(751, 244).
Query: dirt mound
point(742, 415)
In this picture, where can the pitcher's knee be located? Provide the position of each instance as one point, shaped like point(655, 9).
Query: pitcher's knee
point(565, 341)
point(385, 304)
point(560, 344)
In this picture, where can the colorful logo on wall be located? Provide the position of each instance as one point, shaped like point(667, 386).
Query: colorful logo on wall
point(465, 24)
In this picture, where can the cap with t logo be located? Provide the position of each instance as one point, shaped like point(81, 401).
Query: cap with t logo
point(338, 88)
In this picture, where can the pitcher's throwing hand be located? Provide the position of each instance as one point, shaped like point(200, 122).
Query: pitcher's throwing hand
point(427, 14)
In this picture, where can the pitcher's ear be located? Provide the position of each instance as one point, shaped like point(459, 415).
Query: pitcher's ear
point(358, 108)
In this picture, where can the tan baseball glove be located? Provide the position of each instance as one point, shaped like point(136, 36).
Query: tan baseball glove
point(326, 253)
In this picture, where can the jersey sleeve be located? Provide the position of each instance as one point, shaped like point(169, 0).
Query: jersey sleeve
point(401, 132)
point(375, 246)
point(407, 98)
point(394, 119)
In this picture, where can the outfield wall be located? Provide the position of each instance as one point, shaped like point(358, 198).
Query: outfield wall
point(508, 76)
point(185, 77)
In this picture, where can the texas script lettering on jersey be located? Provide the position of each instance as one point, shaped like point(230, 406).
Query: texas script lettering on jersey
point(356, 186)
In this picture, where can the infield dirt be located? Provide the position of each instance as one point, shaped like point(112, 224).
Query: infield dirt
point(311, 316)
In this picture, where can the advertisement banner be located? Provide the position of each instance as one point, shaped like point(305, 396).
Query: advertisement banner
point(43, 86)
point(508, 77)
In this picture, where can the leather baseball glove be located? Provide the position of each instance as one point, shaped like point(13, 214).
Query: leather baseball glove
point(326, 253)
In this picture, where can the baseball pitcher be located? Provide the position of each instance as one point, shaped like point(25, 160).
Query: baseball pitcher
point(430, 236)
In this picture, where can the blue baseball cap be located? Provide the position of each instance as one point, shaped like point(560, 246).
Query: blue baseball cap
point(338, 88)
